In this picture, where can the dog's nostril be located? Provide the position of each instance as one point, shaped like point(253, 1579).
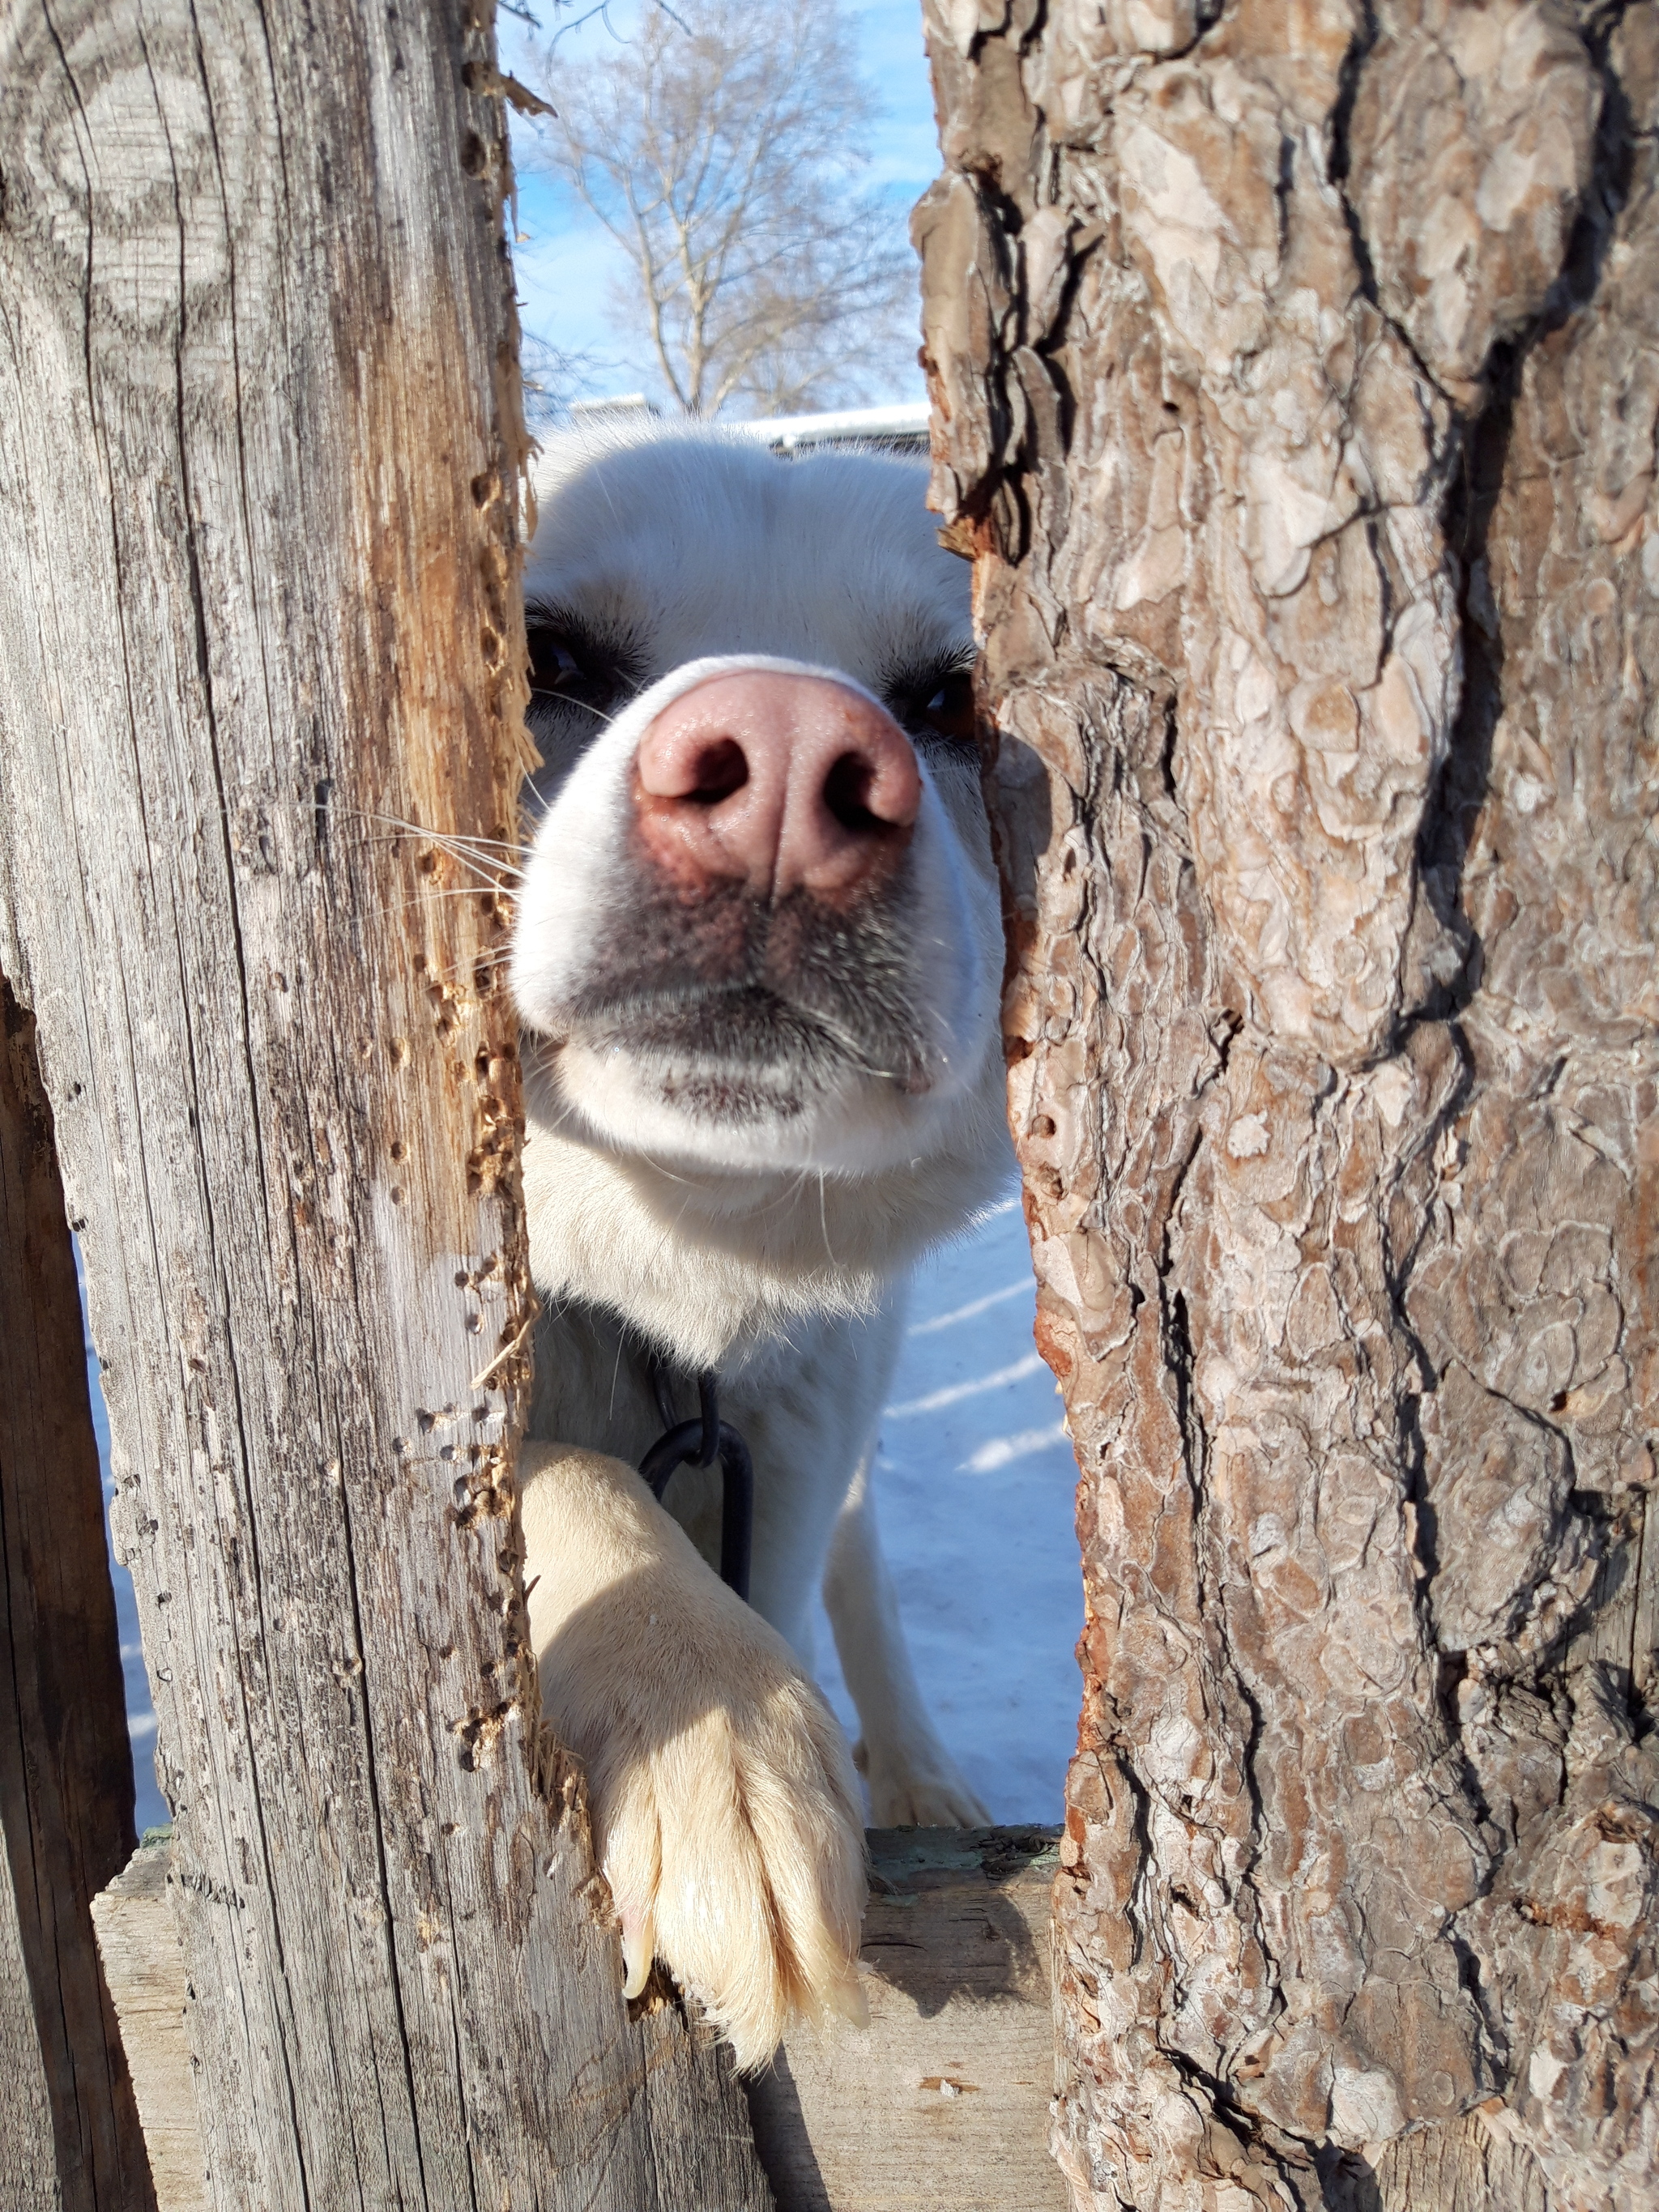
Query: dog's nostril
point(847, 794)
point(719, 769)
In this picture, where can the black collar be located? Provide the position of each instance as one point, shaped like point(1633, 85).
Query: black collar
point(701, 1442)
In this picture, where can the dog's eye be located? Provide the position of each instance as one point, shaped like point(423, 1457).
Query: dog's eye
point(553, 665)
point(566, 666)
point(940, 706)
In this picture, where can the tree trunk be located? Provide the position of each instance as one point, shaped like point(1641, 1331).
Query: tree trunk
point(262, 654)
point(1293, 367)
point(68, 2129)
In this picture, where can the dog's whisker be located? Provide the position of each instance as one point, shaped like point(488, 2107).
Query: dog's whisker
point(458, 848)
point(587, 707)
point(396, 823)
point(478, 853)
point(404, 906)
point(486, 889)
point(824, 1218)
point(467, 971)
point(488, 895)
point(455, 851)
point(505, 885)
point(483, 891)
point(616, 1374)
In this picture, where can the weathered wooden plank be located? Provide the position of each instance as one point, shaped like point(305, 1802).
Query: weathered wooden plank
point(28, 2160)
point(69, 2131)
point(945, 2099)
point(144, 1968)
point(258, 455)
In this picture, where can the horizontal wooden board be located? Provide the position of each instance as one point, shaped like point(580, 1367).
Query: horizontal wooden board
point(943, 2100)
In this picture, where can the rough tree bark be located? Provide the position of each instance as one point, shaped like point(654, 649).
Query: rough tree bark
point(69, 2138)
point(1294, 368)
point(259, 454)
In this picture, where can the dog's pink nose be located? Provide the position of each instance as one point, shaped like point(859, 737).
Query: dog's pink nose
point(786, 782)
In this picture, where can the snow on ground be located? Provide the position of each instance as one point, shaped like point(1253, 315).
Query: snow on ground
point(973, 1481)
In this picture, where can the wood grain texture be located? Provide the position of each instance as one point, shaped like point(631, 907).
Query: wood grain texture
point(68, 2130)
point(259, 455)
point(1291, 393)
point(945, 2100)
point(28, 2155)
point(1467, 2166)
point(144, 1968)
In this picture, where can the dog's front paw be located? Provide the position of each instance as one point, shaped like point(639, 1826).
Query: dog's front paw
point(724, 1811)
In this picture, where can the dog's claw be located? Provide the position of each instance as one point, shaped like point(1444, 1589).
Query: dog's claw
point(848, 2000)
point(639, 1941)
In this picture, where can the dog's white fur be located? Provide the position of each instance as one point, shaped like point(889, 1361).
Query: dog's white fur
point(770, 1243)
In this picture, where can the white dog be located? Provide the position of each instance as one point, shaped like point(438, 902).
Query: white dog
point(758, 957)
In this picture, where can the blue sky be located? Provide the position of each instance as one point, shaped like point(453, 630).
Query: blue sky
point(565, 261)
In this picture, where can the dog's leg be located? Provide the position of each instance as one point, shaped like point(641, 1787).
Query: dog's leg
point(914, 1781)
point(725, 1809)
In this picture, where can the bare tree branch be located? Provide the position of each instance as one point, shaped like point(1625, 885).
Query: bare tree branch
point(723, 148)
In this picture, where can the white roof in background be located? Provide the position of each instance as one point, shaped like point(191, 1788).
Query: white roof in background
point(791, 430)
point(784, 432)
point(625, 402)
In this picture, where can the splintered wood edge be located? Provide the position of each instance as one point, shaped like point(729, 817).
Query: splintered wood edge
point(145, 1969)
point(945, 2097)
